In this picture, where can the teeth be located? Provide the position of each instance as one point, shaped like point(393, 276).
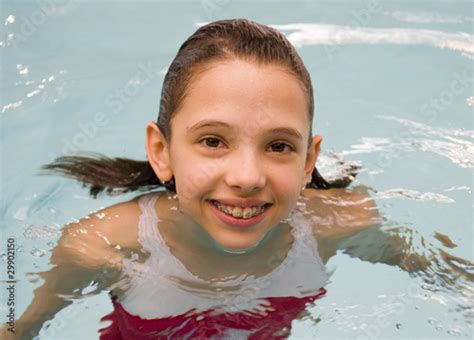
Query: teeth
point(247, 213)
point(239, 212)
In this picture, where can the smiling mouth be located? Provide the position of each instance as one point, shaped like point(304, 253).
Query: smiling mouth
point(239, 212)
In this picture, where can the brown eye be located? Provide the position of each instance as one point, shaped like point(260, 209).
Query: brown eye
point(280, 147)
point(211, 142)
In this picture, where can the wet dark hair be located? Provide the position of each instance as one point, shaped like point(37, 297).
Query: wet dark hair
point(216, 41)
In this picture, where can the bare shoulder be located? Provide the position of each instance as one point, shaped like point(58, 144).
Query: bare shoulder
point(97, 239)
point(340, 212)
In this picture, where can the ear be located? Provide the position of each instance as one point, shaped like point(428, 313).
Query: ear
point(157, 150)
point(311, 157)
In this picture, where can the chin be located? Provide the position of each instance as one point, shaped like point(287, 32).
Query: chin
point(240, 248)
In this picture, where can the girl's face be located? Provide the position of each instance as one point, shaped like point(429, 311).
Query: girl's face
point(239, 139)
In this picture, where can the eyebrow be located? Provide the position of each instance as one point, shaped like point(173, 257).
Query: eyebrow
point(216, 123)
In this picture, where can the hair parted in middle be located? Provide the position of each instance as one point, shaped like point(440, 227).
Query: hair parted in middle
point(224, 40)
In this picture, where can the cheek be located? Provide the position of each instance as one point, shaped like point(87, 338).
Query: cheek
point(287, 185)
point(195, 180)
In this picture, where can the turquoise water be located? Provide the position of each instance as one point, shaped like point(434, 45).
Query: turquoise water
point(394, 92)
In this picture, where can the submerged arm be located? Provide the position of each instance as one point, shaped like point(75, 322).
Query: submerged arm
point(60, 285)
point(337, 213)
point(348, 220)
point(85, 254)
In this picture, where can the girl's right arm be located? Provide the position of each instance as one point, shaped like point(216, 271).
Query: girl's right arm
point(88, 250)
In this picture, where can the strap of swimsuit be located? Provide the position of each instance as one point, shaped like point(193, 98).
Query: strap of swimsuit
point(148, 233)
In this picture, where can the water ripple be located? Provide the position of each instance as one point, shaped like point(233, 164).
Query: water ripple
point(429, 17)
point(459, 154)
point(454, 144)
point(321, 34)
point(414, 195)
point(427, 129)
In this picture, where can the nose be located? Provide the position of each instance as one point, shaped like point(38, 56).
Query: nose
point(246, 173)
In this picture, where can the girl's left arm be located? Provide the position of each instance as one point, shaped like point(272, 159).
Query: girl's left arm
point(348, 220)
point(340, 212)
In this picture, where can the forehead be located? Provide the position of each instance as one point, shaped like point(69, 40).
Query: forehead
point(236, 89)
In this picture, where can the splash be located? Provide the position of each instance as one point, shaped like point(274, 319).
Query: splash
point(302, 35)
point(429, 17)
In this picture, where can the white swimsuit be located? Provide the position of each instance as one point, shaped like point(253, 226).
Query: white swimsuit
point(157, 288)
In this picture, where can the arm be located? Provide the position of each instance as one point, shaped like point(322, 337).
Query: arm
point(338, 213)
point(348, 220)
point(61, 280)
point(85, 253)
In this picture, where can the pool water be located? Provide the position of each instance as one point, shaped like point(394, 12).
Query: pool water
point(394, 93)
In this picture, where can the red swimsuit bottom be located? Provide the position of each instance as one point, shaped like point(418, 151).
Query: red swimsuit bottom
point(274, 324)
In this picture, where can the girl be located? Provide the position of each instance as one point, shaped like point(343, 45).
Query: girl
point(228, 249)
